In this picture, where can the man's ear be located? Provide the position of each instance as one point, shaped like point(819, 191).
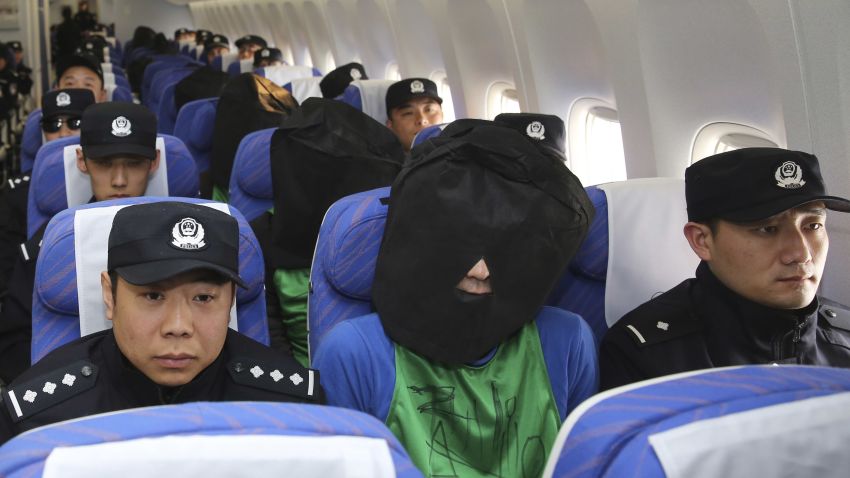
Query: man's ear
point(101, 97)
point(389, 123)
point(106, 289)
point(700, 238)
point(154, 163)
point(81, 162)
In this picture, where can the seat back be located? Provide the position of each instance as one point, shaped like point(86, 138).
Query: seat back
point(160, 63)
point(368, 96)
point(303, 88)
point(251, 180)
point(213, 439)
point(194, 125)
point(167, 113)
point(428, 133)
point(238, 67)
point(344, 262)
point(31, 140)
point(222, 62)
point(118, 93)
point(283, 74)
point(615, 270)
point(57, 183)
point(67, 302)
point(736, 421)
point(161, 80)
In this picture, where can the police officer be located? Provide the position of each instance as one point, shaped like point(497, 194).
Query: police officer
point(248, 45)
point(214, 46)
point(168, 291)
point(757, 221)
point(267, 57)
point(334, 83)
point(412, 105)
point(24, 72)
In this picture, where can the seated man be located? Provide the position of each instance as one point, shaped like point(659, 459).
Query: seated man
point(24, 72)
point(118, 160)
point(81, 71)
point(214, 46)
point(267, 57)
point(249, 44)
point(334, 83)
point(412, 105)
point(461, 361)
point(757, 221)
point(169, 305)
point(183, 34)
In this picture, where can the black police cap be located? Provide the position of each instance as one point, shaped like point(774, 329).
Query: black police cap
point(751, 184)
point(216, 40)
point(15, 45)
point(84, 59)
point(545, 130)
point(66, 102)
point(182, 31)
point(115, 128)
point(177, 237)
point(335, 82)
point(251, 39)
point(269, 54)
point(403, 91)
point(202, 35)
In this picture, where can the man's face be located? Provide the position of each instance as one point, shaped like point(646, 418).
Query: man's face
point(117, 176)
point(19, 57)
point(82, 77)
point(777, 262)
point(477, 280)
point(265, 63)
point(246, 51)
point(411, 117)
point(216, 51)
point(186, 37)
point(170, 330)
point(67, 126)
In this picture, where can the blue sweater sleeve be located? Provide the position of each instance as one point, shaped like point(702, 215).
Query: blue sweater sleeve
point(569, 351)
point(356, 361)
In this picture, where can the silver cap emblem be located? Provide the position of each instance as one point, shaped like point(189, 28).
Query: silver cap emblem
point(63, 99)
point(789, 175)
point(121, 127)
point(535, 130)
point(188, 234)
point(265, 53)
point(355, 74)
point(417, 86)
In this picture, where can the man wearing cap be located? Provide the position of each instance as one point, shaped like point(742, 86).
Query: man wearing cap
point(81, 70)
point(462, 361)
point(118, 153)
point(267, 57)
point(183, 34)
point(412, 105)
point(24, 72)
point(214, 46)
point(168, 291)
point(334, 83)
point(249, 44)
point(757, 221)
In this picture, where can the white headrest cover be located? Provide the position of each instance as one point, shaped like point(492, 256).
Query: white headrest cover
point(106, 67)
point(283, 74)
point(647, 250)
point(227, 59)
point(91, 243)
point(373, 94)
point(211, 456)
point(801, 438)
point(108, 78)
point(303, 88)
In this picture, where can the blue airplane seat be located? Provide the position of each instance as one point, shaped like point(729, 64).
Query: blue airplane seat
point(31, 140)
point(303, 88)
point(368, 96)
point(251, 180)
point(67, 300)
point(343, 265)
point(167, 113)
point(118, 93)
point(283, 74)
point(194, 125)
point(756, 420)
point(310, 441)
point(634, 250)
point(160, 63)
point(222, 62)
point(49, 187)
point(121, 80)
point(162, 79)
point(237, 67)
point(427, 133)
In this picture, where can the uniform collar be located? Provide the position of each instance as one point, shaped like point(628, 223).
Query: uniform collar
point(746, 325)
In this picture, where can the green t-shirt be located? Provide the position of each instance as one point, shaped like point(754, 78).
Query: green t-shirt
point(292, 287)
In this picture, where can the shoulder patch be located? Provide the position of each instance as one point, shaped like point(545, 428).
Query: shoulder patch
point(836, 316)
point(31, 397)
point(291, 380)
point(651, 332)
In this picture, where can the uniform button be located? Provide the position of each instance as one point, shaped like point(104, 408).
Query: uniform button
point(830, 313)
point(238, 367)
point(86, 371)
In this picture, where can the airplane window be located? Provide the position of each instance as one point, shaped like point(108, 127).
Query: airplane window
point(445, 91)
point(502, 98)
point(393, 72)
point(596, 143)
point(721, 137)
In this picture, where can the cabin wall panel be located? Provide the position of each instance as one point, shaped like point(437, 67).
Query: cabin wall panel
point(157, 14)
point(345, 46)
point(419, 52)
point(375, 38)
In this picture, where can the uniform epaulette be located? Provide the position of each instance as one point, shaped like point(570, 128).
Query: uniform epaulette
point(14, 182)
point(290, 379)
point(650, 331)
point(31, 397)
point(837, 316)
point(29, 250)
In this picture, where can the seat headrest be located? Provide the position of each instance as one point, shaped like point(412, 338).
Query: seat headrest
point(369, 96)
point(283, 74)
point(303, 88)
point(591, 259)
point(428, 133)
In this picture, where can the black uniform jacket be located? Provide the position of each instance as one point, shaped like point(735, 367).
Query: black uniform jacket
point(90, 376)
point(702, 324)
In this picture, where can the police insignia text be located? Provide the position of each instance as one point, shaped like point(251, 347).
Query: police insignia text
point(789, 175)
point(188, 234)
